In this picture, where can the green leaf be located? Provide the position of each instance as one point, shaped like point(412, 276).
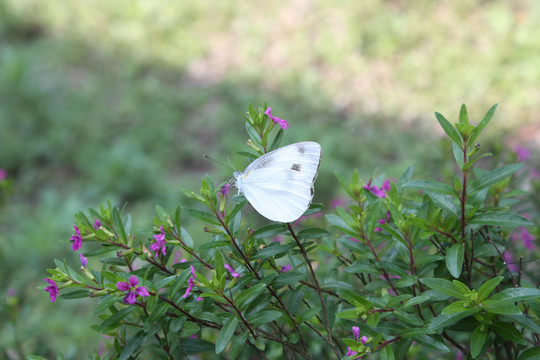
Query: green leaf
point(273, 250)
point(313, 233)
point(458, 155)
point(446, 320)
point(226, 333)
point(277, 140)
point(444, 202)
point(248, 295)
point(77, 294)
point(253, 134)
point(501, 307)
point(492, 177)
point(500, 218)
point(463, 116)
point(219, 264)
point(478, 339)
point(132, 345)
point(448, 128)
point(444, 286)
point(430, 341)
point(269, 231)
point(515, 294)
point(386, 353)
point(118, 225)
point(524, 321)
point(289, 278)
point(415, 301)
point(340, 224)
point(508, 332)
point(114, 320)
point(264, 316)
point(456, 307)
point(487, 287)
point(186, 238)
point(408, 318)
point(430, 185)
point(202, 215)
point(454, 260)
point(485, 120)
point(530, 354)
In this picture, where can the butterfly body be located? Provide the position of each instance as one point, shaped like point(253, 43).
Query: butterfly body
point(279, 185)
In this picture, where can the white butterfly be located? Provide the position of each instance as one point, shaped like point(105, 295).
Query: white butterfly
point(279, 185)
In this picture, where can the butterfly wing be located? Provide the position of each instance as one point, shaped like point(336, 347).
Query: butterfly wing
point(279, 185)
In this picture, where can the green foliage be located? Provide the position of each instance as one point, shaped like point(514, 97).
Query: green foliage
point(417, 269)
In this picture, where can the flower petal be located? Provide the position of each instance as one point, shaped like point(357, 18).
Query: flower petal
point(122, 286)
point(133, 281)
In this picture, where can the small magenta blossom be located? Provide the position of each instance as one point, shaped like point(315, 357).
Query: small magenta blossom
point(3, 174)
point(286, 268)
point(509, 259)
point(52, 289)
point(523, 154)
point(84, 260)
point(159, 245)
point(132, 290)
point(283, 123)
point(351, 352)
point(76, 239)
point(199, 299)
point(225, 189)
point(191, 282)
point(363, 339)
point(97, 224)
point(234, 274)
point(378, 192)
point(528, 239)
point(383, 221)
point(356, 332)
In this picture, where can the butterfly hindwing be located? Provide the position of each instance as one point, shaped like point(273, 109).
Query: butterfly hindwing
point(279, 185)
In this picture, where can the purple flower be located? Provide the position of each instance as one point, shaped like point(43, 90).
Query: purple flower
point(191, 282)
point(509, 259)
point(190, 287)
point(363, 339)
point(281, 122)
point(286, 268)
point(225, 189)
point(231, 270)
point(337, 202)
point(11, 292)
point(522, 153)
point(97, 224)
point(383, 221)
point(378, 192)
point(351, 352)
point(76, 239)
point(528, 239)
point(356, 332)
point(132, 289)
point(3, 174)
point(159, 245)
point(52, 289)
point(84, 261)
point(199, 299)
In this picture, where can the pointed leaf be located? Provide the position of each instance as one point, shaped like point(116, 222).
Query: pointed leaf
point(226, 333)
point(485, 120)
point(515, 294)
point(430, 185)
point(448, 128)
point(508, 332)
point(454, 260)
point(500, 218)
point(487, 287)
point(478, 339)
point(492, 177)
point(444, 286)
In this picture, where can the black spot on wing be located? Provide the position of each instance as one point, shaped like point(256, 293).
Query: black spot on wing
point(312, 191)
point(301, 149)
point(296, 167)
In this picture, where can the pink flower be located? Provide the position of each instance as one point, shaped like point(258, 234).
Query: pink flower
point(52, 289)
point(522, 153)
point(383, 221)
point(84, 261)
point(278, 238)
point(191, 282)
point(199, 299)
point(509, 259)
point(159, 245)
point(132, 290)
point(76, 239)
point(528, 239)
point(378, 192)
point(97, 224)
point(363, 339)
point(350, 352)
point(3, 174)
point(337, 202)
point(225, 189)
point(234, 274)
point(286, 268)
point(281, 122)
point(459, 356)
point(356, 332)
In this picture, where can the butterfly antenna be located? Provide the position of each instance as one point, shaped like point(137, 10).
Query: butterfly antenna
point(219, 162)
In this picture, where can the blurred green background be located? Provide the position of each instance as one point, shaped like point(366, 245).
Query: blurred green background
point(121, 99)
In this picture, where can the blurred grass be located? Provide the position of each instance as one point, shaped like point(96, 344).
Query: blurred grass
point(121, 99)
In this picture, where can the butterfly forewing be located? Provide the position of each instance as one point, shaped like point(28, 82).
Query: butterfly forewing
point(279, 184)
